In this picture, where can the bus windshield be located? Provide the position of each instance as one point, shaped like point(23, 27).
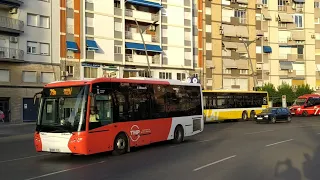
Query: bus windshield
point(62, 109)
point(299, 101)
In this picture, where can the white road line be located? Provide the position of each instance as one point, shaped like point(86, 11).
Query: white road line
point(18, 159)
point(279, 142)
point(213, 163)
point(192, 142)
point(66, 170)
point(318, 133)
point(258, 132)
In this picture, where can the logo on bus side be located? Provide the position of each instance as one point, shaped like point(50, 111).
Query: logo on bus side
point(134, 133)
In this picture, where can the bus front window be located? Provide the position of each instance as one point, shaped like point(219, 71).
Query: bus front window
point(64, 111)
point(299, 101)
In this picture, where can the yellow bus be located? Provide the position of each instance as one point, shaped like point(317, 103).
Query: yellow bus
point(221, 105)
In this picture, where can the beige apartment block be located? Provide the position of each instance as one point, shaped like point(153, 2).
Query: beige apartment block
point(286, 53)
point(229, 33)
point(317, 41)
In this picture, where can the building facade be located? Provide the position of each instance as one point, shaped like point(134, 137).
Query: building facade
point(110, 43)
point(229, 44)
point(29, 55)
point(286, 53)
point(317, 41)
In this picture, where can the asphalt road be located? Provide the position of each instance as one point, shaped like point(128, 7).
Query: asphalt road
point(225, 151)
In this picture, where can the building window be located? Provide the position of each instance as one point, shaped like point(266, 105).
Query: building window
point(4, 75)
point(47, 77)
point(243, 71)
point(38, 21)
point(144, 74)
point(317, 36)
point(29, 76)
point(317, 5)
point(70, 25)
point(227, 71)
point(44, 49)
point(298, 20)
point(31, 20)
point(117, 26)
point(300, 49)
point(181, 76)
point(90, 72)
point(317, 20)
point(241, 14)
point(165, 75)
point(282, 5)
point(264, 1)
point(70, 70)
point(70, 4)
point(117, 4)
point(282, 25)
point(89, 21)
point(32, 47)
point(117, 49)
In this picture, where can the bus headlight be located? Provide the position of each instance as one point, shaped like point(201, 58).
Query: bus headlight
point(76, 140)
point(255, 116)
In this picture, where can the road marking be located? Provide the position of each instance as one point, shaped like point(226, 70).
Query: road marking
point(192, 142)
point(279, 142)
point(213, 163)
point(66, 170)
point(18, 159)
point(258, 132)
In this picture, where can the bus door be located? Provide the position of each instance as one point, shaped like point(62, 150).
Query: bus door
point(100, 120)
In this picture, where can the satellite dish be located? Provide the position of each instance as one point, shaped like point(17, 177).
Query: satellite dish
point(194, 80)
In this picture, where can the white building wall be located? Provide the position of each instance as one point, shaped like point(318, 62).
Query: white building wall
point(39, 34)
point(106, 51)
point(103, 25)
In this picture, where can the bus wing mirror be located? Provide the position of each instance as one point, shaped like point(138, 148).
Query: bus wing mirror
point(35, 97)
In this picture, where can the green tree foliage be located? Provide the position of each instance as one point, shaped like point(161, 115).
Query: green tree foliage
point(271, 91)
point(286, 89)
point(303, 89)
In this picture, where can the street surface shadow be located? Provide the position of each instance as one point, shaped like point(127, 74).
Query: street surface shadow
point(286, 171)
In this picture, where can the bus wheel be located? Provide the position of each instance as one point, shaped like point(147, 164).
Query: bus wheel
point(252, 114)
point(244, 116)
point(120, 144)
point(305, 113)
point(178, 135)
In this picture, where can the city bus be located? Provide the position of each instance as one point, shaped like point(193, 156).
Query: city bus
point(306, 105)
point(221, 105)
point(114, 114)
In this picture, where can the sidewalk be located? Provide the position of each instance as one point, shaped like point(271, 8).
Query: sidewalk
point(16, 124)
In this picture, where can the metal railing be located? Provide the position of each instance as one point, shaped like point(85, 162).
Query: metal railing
point(11, 53)
point(11, 23)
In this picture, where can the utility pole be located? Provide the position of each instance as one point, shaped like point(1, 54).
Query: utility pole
point(250, 60)
point(66, 49)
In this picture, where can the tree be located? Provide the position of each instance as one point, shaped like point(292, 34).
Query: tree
point(271, 91)
point(286, 89)
point(303, 89)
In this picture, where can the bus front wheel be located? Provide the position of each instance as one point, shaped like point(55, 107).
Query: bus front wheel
point(120, 144)
point(178, 135)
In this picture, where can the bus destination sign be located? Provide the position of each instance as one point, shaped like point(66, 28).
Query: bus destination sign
point(62, 91)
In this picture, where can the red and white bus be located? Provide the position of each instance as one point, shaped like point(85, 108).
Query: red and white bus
point(306, 105)
point(110, 114)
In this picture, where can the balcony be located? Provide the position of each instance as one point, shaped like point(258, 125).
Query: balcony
point(11, 25)
point(140, 15)
point(10, 3)
point(11, 55)
point(141, 59)
point(137, 37)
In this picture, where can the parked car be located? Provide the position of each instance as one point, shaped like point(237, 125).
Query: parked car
point(274, 114)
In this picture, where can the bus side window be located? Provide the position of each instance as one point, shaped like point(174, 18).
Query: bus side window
point(141, 100)
point(159, 102)
point(105, 108)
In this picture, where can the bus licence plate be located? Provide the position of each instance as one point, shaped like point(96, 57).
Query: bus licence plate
point(54, 150)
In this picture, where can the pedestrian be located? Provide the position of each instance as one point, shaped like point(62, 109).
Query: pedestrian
point(2, 116)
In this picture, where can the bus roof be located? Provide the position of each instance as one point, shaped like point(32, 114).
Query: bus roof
point(121, 80)
point(309, 95)
point(233, 91)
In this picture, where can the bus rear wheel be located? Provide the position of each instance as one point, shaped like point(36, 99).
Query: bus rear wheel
point(178, 135)
point(120, 144)
point(244, 116)
point(252, 114)
point(305, 114)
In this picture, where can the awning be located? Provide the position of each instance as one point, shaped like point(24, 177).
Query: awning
point(242, 31)
point(267, 49)
point(242, 1)
point(145, 3)
point(286, 65)
point(230, 45)
point(285, 18)
point(229, 30)
point(298, 35)
point(298, 1)
point(229, 64)
point(241, 48)
point(92, 45)
point(138, 46)
point(266, 15)
point(72, 46)
point(242, 64)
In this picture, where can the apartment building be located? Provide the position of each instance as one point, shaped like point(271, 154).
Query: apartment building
point(229, 44)
point(317, 41)
point(286, 53)
point(29, 54)
point(110, 43)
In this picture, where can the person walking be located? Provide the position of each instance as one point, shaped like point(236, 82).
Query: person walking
point(2, 116)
